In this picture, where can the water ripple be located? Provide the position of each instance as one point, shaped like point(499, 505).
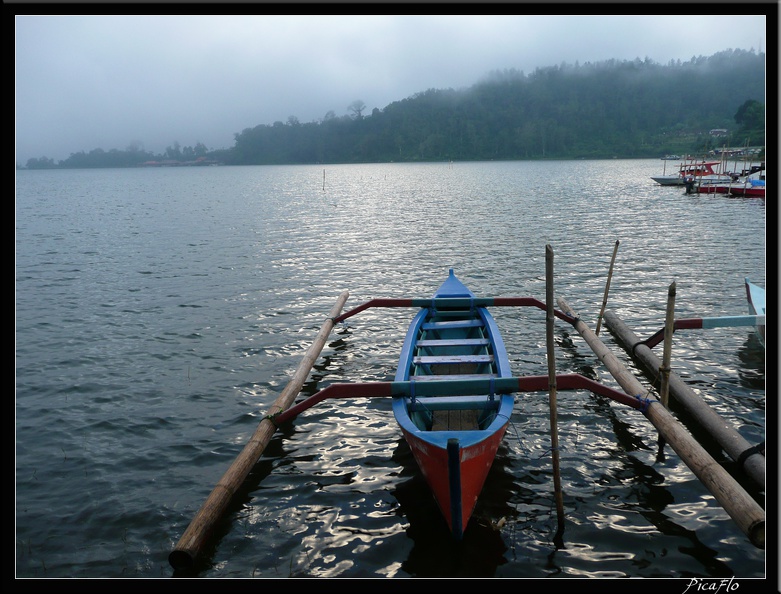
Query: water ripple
point(160, 313)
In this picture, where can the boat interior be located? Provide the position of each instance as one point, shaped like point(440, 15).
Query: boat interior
point(453, 345)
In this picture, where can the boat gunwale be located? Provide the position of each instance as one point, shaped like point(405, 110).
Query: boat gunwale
point(505, 402)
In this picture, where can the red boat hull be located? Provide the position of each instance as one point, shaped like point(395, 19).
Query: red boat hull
point(474, 463)
point(713, 189)
point(749, 192)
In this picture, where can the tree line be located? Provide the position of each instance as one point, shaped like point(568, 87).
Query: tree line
point(628, 109)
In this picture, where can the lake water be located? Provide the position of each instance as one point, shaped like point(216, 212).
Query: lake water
point(160, 312)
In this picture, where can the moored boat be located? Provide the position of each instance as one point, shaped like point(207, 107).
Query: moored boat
point(749, 182)
point(752, 186)
point(454, 439)
point(690, 172)
point(710, 181)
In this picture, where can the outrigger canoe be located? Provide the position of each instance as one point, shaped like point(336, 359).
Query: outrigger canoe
point(453, 396)
point(453, 438)
point(453, 391)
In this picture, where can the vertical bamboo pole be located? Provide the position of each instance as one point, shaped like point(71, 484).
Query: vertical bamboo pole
point(669, 328)
point(549, 321)
point(607, 288)
point(664, 368)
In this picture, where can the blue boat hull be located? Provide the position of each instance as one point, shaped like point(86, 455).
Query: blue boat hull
point(454, 439)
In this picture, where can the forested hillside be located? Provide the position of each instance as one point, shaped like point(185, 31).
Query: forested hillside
point(609, 109)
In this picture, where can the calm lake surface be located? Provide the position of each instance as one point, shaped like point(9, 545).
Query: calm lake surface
point(160, 313)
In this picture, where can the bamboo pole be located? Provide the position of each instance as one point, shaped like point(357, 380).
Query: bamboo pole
point(741, 507)
point(193, 539)
point(669, 328)
point(550, 320)
point(664, 368)
point(734, 444)
point(607, 287)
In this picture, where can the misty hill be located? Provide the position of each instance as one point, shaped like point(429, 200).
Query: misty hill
point(608, 109)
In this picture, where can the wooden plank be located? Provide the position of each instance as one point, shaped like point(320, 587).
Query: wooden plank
point(456, 359)
point(448, 324)
point(452, 313)
point(455, 420)
point(432, 403)
point(449, 342)
point(449, 368)
point(438, 377)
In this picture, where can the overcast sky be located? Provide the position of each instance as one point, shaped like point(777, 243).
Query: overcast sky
point(85, 82)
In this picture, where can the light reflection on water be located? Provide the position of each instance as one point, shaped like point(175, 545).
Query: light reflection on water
point(161, 312)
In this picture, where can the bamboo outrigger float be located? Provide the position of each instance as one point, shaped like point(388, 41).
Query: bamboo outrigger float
point(194, 538)
point(477, 379)
point(749, 457)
